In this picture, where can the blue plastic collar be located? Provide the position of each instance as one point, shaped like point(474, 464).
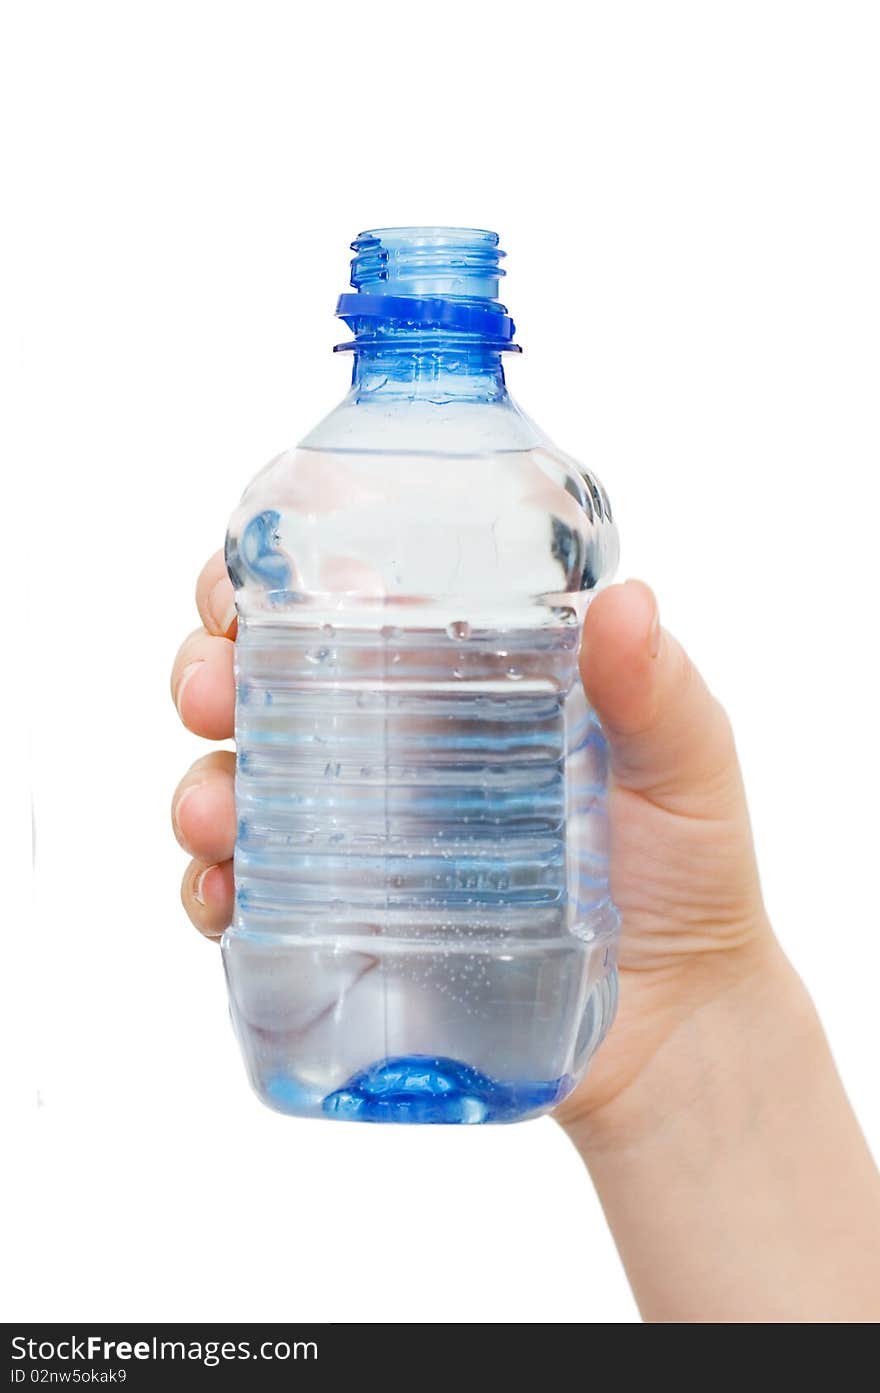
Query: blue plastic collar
point(489, 321)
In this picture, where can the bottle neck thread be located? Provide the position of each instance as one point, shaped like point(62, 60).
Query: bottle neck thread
point(458, 263)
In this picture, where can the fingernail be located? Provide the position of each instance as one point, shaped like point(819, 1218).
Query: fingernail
point(175, 811)
point(655, 633)
point(185, 677)
point(221, 607)
point(199, 887)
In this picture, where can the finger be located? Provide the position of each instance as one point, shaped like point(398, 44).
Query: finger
point(215, 598)
point(203, 685)
point(670, 739)
point(207, 895)
point(203, 808)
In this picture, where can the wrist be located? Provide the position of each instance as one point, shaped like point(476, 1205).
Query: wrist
point(731, 1169)
point(710, 1028)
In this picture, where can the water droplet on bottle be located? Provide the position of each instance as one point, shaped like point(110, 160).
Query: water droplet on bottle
point(328, 629)
point(459, 629)
point(514, 674)
point(318, 655)
point(457, 672)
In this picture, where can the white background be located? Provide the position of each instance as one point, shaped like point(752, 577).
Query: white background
point(688, 195)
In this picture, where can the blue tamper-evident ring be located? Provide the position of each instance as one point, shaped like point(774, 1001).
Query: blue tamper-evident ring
point(486, 320)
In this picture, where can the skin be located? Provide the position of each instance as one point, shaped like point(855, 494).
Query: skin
point(732, 1171)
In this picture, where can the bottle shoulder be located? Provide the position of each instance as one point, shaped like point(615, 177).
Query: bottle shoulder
point(477, 512)
point(495, 439)
point(426, 413)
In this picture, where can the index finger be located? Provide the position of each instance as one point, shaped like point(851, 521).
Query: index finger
point(215, 598)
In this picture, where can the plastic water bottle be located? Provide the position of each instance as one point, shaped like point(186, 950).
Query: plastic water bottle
point(423, 930)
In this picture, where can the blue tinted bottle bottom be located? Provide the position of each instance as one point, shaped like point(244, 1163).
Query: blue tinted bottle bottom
point(421, 1089)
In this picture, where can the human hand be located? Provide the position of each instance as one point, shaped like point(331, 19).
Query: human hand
point(712, 1120)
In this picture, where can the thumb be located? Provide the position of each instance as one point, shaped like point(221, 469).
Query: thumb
point(670, 739)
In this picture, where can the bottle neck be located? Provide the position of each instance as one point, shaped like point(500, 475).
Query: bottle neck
point(427, 371)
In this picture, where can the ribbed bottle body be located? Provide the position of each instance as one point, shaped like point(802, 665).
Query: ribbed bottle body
point(423, 929)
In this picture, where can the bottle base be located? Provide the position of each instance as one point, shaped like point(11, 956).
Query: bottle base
point(426, 1089)
point(420, 1089)
point(373, 1029)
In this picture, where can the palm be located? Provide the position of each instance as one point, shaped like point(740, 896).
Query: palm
point(683, 870)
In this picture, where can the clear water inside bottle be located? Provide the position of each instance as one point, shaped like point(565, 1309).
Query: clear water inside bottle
point(423, 930)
